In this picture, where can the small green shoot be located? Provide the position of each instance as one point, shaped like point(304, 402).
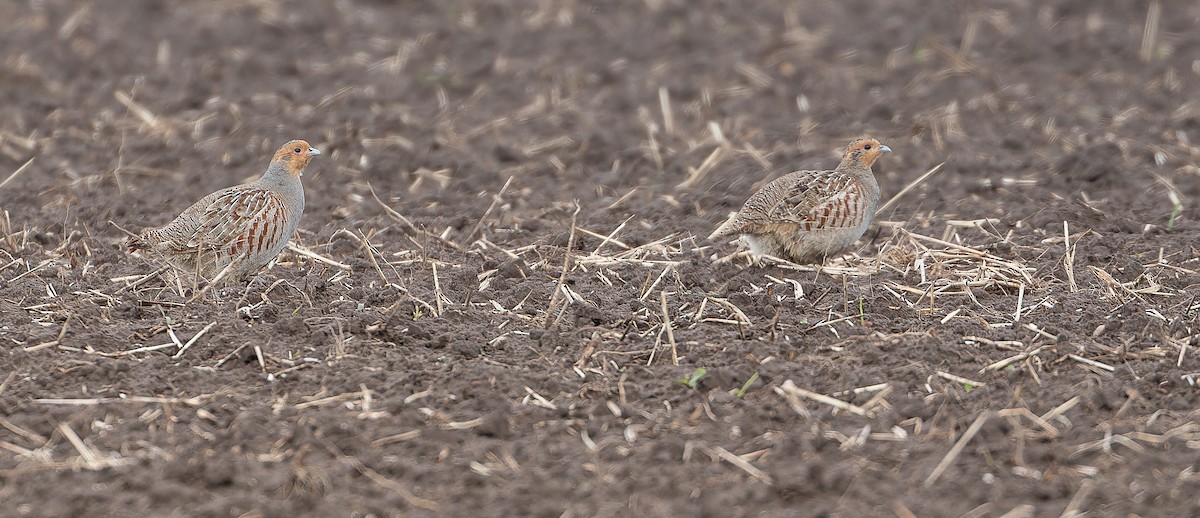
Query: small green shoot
point(1174, 215)
point(1172, 193)
point(693, 379)
point(922, 53)
point(968, 387)
point(746, 386)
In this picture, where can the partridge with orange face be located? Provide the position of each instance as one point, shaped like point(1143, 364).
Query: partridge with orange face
point(242, 227)
point(810, 216)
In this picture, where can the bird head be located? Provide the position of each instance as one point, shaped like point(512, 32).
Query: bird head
point(295, 155)
point(864, 151)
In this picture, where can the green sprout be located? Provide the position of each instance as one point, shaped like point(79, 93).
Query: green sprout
point(922, 53)
point(746, 386)
point(693, 379)
point(1174, 215)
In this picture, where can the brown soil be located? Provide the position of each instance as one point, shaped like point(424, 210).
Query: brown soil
point(446, 371)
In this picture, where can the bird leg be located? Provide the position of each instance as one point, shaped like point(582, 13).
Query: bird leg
point(214, 282)
point(196, 276)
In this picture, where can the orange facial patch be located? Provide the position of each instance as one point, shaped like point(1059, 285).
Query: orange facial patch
point(868, 150)
point(295, 155)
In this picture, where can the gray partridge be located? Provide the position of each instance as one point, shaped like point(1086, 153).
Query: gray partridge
point(809, 216)
point(242, 227)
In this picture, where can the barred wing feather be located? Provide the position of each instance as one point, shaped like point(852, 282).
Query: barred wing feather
point(238, 221)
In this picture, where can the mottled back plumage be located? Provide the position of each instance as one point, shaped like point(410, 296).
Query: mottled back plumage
point(242, 227)
point(808, 216)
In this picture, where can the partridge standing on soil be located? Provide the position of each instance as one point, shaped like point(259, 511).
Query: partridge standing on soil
point(245, 226)
point(808, 216)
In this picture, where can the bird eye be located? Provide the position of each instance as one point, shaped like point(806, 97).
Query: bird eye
point(297, 150)
point(867, 147)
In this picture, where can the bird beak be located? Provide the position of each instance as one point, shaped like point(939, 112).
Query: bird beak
point(312, 151)
point(885, 149)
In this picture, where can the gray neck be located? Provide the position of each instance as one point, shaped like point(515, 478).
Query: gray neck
point(871, 186)
point(277, 174)
point(278, 178)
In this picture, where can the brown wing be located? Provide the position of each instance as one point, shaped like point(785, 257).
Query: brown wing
point(844, 208)
point(242, 220)
point(807, 195)
point(811, 199)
